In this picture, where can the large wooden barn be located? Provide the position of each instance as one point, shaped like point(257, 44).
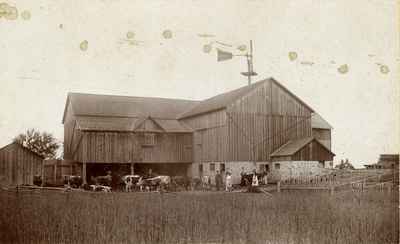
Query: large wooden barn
point(19, 165)
point(234, 130)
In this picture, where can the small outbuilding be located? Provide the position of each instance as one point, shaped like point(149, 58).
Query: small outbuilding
point(303, 157)
point(19, 165)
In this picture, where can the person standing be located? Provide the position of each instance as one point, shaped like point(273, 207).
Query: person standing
point(242, 177)
point(254, 181)
point(265, 177)
point(218, 180)
point(228, 182)
point(128, 184)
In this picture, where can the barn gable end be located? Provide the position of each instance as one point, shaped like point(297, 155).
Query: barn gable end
point(18, 165)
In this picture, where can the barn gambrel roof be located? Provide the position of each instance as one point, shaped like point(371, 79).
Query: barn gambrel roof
point(125, 106)
point(225, 99)
point(123, 113)
point(318, 122)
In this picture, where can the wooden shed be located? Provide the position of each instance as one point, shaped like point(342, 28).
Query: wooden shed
point(18, 165)
point(305, 149)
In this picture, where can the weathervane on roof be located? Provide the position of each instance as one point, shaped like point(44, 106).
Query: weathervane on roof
point(224, 55)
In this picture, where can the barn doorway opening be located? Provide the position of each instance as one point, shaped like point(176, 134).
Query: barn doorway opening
point(171, 169)
point(100, 169)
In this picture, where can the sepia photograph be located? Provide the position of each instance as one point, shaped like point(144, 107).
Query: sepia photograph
point(199, 122)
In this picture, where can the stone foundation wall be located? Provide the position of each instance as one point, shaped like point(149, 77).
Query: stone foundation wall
point(289, 169)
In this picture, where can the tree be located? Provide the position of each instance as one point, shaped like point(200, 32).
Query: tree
point(41, 143)
point(344, 165)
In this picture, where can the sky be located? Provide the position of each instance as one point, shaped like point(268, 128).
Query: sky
point(341, 57)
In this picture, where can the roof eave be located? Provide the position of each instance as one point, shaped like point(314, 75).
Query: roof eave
point(198, 114)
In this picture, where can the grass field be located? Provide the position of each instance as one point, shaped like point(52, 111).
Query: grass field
point(287, 217)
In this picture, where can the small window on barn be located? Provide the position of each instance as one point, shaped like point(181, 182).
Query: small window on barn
point(201, 168)
point(277, 166)
point(149, 139)
point(212, 167)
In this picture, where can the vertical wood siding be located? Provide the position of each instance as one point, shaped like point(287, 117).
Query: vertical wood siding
point(323, 135)
point(124, 147)
point(210, 137)
point(18, 165)
point(313, 152)
point(262, 121)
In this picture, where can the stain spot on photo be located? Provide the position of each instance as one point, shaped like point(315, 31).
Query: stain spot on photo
point(8, 12)
point(343, 69)
point(26, 15)
point(167, 34)
point(292, 56)
point(384, 69)
point(130, 35)
point(207, 48)
point(84, 45)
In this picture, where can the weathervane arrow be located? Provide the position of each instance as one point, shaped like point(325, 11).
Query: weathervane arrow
point(224, 55)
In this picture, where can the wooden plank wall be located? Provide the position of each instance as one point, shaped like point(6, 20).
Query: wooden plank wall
point(124, 147)
point(168, 148)
point(313, 152)
point(70, 132)
point(323, 135)
point(18, 165)
point(264, 120)
point(210, 137)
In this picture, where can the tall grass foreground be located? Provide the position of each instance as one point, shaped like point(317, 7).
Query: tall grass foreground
point(287, 217)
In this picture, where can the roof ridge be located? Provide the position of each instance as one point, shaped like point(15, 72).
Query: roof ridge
point(126, 96)
point(192, 111)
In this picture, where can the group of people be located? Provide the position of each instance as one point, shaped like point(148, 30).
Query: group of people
point(219, 181)
point(252, 180)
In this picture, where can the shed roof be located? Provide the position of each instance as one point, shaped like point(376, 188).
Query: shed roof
point(294, 146)
point(171, 125)
point(97, 123)
point(318, 122)
point(106, 123)
point(125, 106)
point(16, 144)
